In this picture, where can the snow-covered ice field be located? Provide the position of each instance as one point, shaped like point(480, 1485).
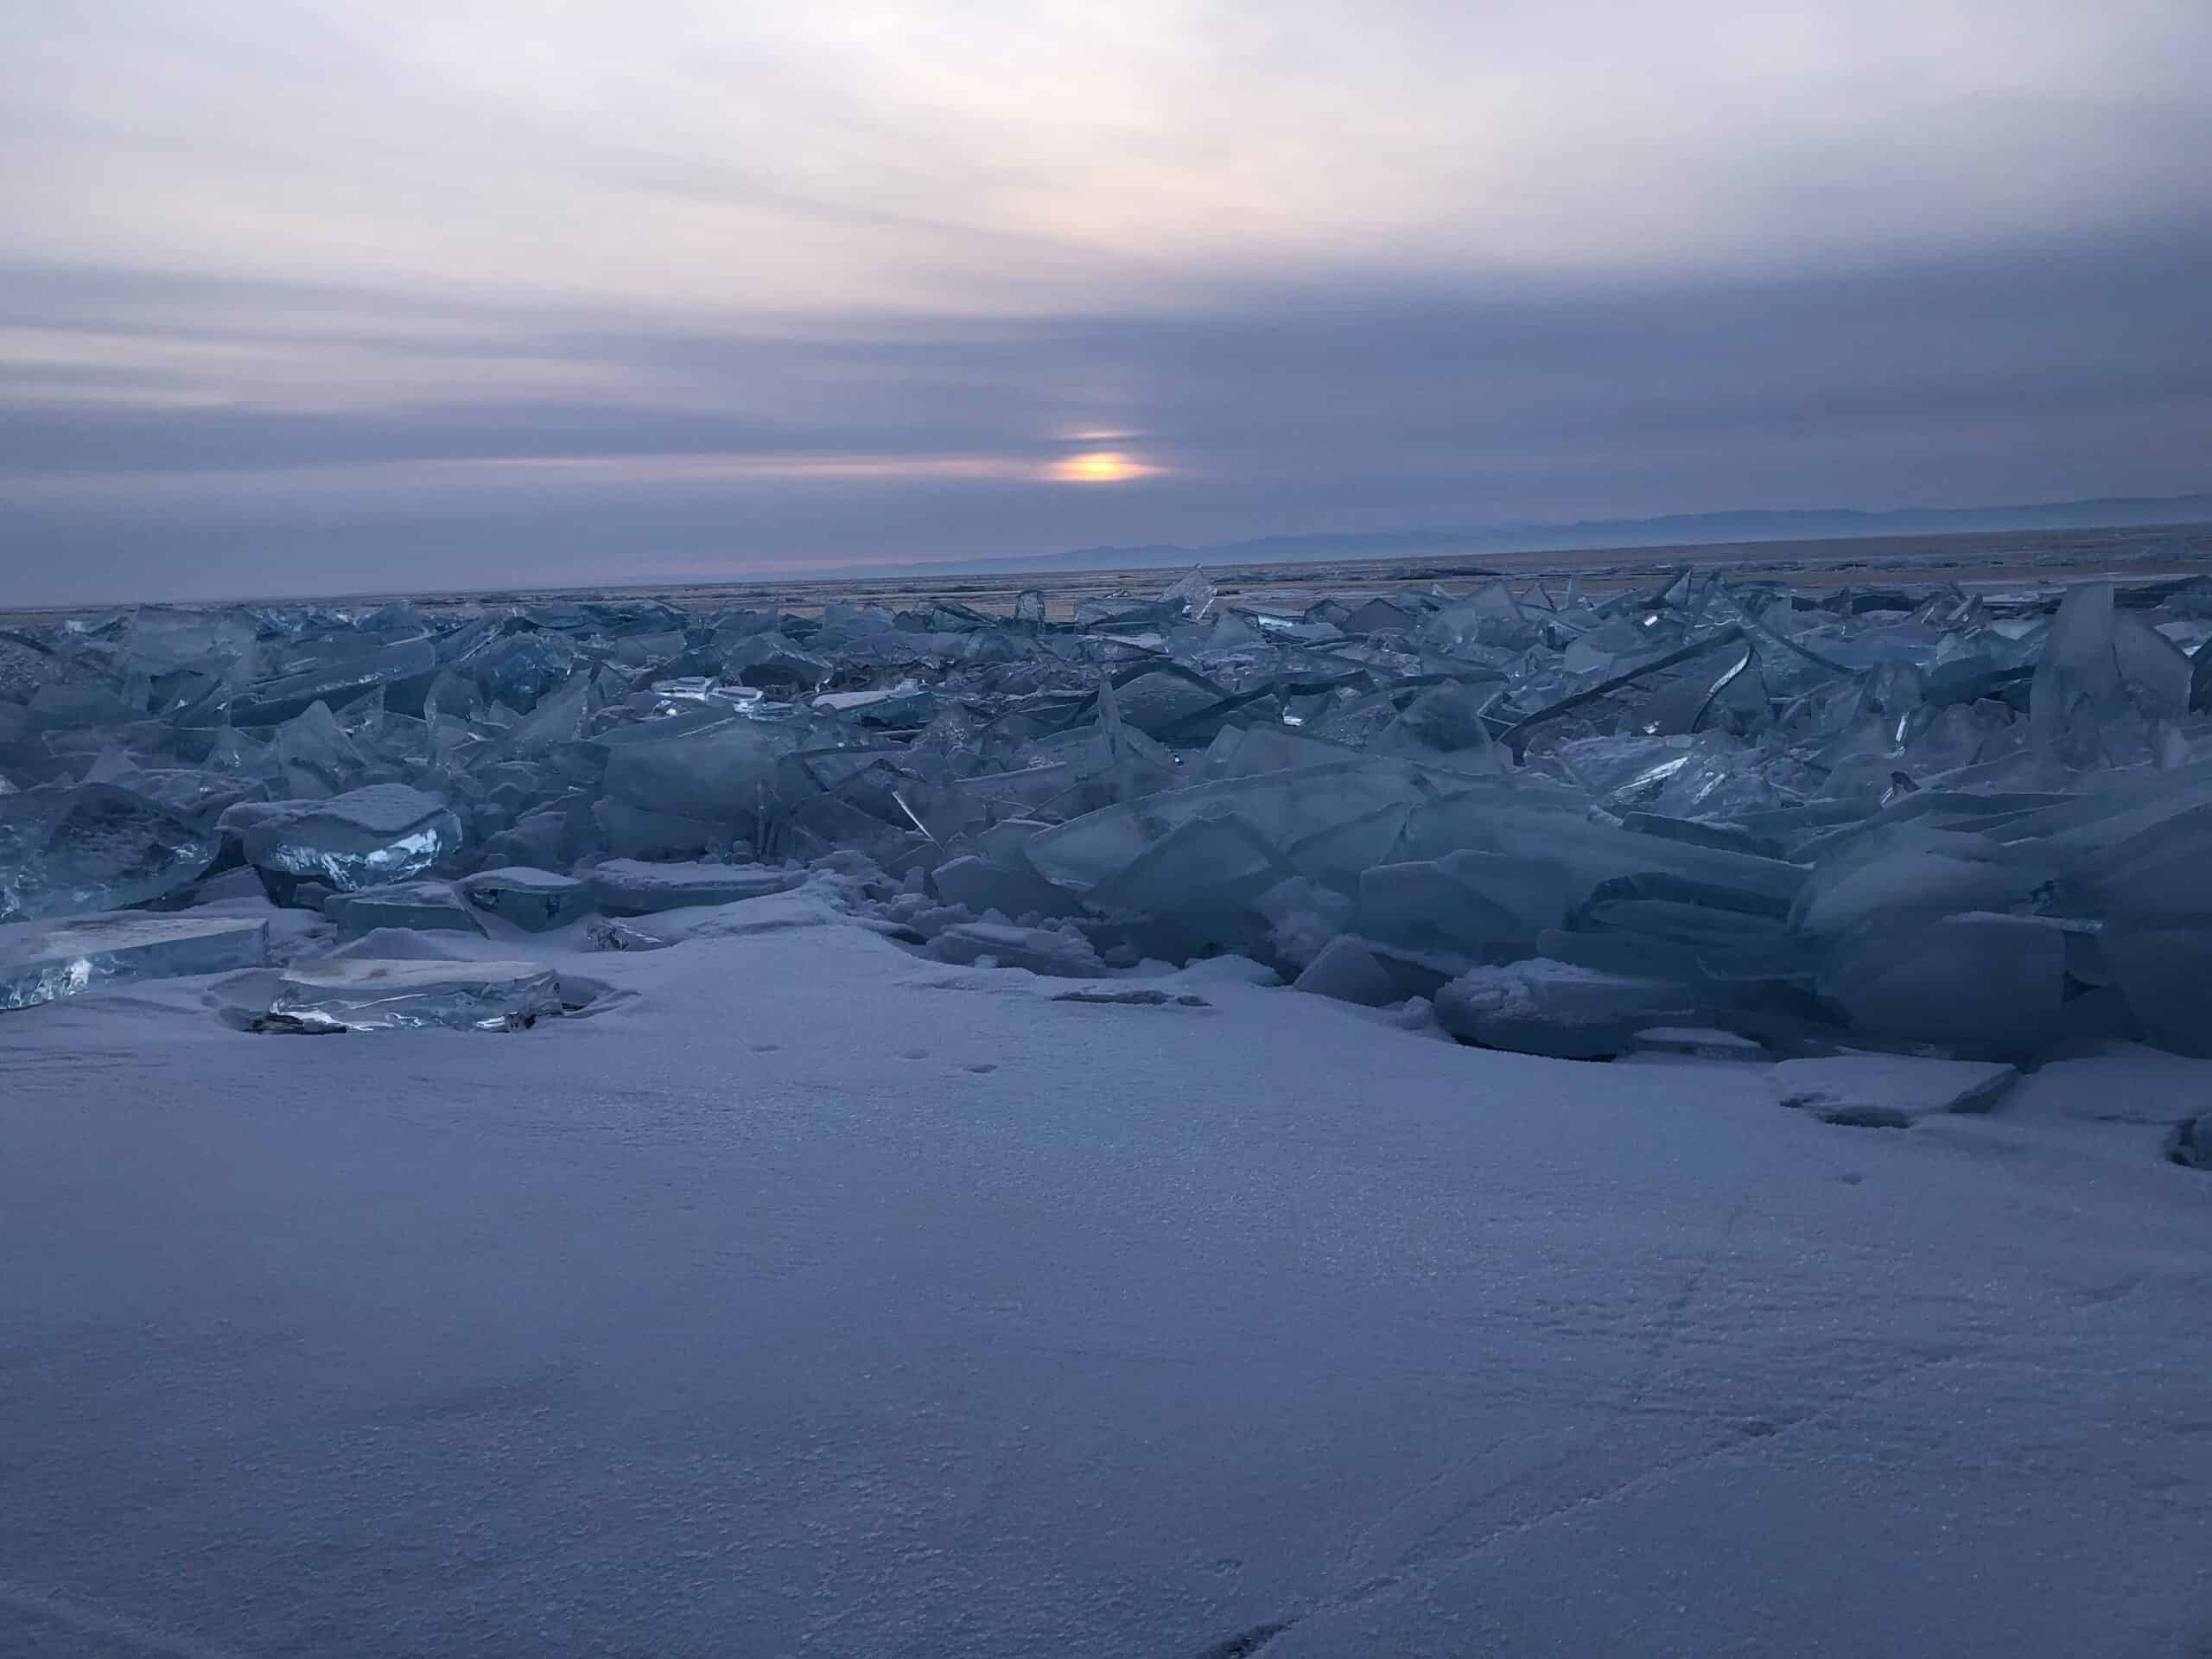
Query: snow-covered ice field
point(820, 1299)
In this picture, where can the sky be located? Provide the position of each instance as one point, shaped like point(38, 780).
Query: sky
point(319, 297)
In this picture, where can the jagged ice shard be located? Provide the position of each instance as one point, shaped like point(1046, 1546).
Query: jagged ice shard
point(1930, 822)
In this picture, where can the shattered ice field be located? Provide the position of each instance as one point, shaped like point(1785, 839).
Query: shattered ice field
point(1517, 1125)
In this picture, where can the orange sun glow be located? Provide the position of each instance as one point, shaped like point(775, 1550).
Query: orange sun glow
point(1099, 466)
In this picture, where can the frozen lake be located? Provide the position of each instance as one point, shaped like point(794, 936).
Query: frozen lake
point(822, 1300)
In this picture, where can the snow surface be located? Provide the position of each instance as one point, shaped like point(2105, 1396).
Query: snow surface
point(817, 1299)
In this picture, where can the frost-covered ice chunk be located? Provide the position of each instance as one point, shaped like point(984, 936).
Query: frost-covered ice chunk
point(380, 995)
point(425, 907)
point(1348, 971)
point(1889, 1090)
point(623, 886)
point(365, 838)
point(65, 852)
point(1541, 1007)
point(1063, 954)
point(532, 899)
point(42, 961)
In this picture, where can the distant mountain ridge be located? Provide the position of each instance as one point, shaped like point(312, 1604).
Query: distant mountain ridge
point(1683, 529)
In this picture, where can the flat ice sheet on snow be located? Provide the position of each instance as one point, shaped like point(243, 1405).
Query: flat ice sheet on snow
point(381, 994)
point(623, 886)
point(1889, 1090)
point(820, 1300)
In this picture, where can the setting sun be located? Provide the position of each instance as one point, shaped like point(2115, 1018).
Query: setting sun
point(1100, 467)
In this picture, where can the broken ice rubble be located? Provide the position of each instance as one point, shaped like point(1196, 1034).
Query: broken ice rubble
point(1930, 821)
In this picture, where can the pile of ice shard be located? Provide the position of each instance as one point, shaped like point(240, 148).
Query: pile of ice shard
point(1968, 824)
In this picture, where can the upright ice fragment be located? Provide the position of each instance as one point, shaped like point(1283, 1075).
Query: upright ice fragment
point(64, 852)
point(1191, 595)
point(1346, 970)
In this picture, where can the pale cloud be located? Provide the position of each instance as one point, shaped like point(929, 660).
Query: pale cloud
point(767, 281)
point(1026, 156)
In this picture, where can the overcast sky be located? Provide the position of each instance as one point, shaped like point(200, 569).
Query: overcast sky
point(313, 295)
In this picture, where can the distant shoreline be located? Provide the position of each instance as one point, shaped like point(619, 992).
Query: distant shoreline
point(2126, 552)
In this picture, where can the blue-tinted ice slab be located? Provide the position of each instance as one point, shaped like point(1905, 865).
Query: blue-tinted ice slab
point(425, 907)
point(981, 885)
point(1989, 986)
point(42, 961)
point(67, 852)
point(1696, 1043)
point(365, 838)
point(532, 899)
point(1542, 1007)
point(623, 886)
point(376, 995)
